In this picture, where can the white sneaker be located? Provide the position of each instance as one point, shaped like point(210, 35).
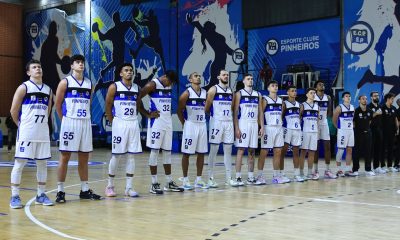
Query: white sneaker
point(212, 183)
point(313, 176)
point(329, 174)
point(379, 171)
point(201, 184)
point(131, 193)
point(298, 178)
point(187, 186)
point(277, 180)
point(251, 181)
point(385, 169)
point(239, 181)
point(392, 169)
point(285, 179)
point(261, 180)
point(370, 173)
point(232, 183)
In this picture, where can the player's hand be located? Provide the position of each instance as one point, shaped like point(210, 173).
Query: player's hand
point(154, 114)
point(261, 132)
point(238, 133)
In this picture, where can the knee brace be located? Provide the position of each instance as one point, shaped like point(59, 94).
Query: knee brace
point(17, 170)
point(153, 157)
point(41, 171)
point(166, 157)
point(112, 167)
point(130, 164)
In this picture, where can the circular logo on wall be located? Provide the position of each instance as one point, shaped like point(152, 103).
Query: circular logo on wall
point(359, 38)
point(272, 46)
point(33, 30)
point(238, 56)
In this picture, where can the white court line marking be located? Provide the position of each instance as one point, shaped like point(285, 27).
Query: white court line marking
point(48, 228)
point(355, 203)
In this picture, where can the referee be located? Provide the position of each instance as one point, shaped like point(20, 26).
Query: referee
point(363, 136)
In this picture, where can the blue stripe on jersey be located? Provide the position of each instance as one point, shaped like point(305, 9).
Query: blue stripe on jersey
point(64, 109)
point(152, 121)
point(185, 115)
point(275, 107)
point(126, 96)
point(36, 98)
point(211, 111)
point(161, 93)
point(248, 99)
point(76, 95)
point(196, 102)
point(152, 106)
point(310, 113)
point(223, 97)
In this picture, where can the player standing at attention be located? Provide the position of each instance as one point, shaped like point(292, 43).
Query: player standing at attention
point(73, 99)
point(292, 130)
point(219, 106)
point(30, 110)
point(309, 118)
point(343, 121)
point(273, 135)
point(191, 113)
point(159, 127)
point(325, 109)
point(247, 111)
point(121, 111)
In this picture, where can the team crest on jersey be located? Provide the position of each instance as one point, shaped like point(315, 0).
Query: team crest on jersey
point(290, 111)
point(22, 149)
point(386, 111)
point(87, 93)
point(246, 99)
point(360, 114)
point(122, 95)
point(74, 92)
point(345, 114)
point(368, 114)
point(33, 98)
point(220, 96)
point(134, 96)
point(160, 93)
point(193, 101)
point(46, 99)
point(271, 107)
point(230, 97)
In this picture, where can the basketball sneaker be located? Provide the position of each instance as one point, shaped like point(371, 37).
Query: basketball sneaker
point(340, 173)
point(43, 200)
point(313, 176)
point(231, 182)
point(379, 170)
point(15, 202)
point(89, 194)
point(298, 178)
point(261, 180)
point(351, 174)
point(172, 187)
point(156, 189)
point(212, 183)
point(239, 181)
point(370, 173)
point(285, 179)
point(277, 180)
point(131, 193)
point(200, 184)
point(329, 174)
point(109, 192)
point(251, 181)
point(60, 198)
point(392, 169)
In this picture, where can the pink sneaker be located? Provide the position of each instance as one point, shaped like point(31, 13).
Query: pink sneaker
point(110, 192)
point(340, 173)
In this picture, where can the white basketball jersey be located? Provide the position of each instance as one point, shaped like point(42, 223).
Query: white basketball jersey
point(160, 100)
point(77, 98)
point(195, 106)
point(125, 101)
point(273, 111)
point(345, 120)
point(221, 108)
point(323, 104)
point(291, 118)
point(248, 107)
point(310, 117)
point(34, 115)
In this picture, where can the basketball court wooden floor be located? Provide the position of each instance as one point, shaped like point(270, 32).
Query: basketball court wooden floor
point(347, 208)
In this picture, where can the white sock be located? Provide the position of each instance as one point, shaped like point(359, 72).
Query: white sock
point(302, 172)
point(186, 179)
point(211, 157)
point(14, 191)
point(276, 173)
point(296, 172)
point(60, 187)
point(110, 181)
point(198, 178)
point(129, 182)
point(316, 167)
point(84, 186)
point(41, 189)
point(238, 174)
point(168, 178)
point(327, 166)
point(260, 173)
point(310, 171)
point(250, 175)
point(154, 179)
point(228, 161)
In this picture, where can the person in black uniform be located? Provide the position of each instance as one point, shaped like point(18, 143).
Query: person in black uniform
point(389, 129)
point(376, 130)
point(363, 136)
point(397, 143)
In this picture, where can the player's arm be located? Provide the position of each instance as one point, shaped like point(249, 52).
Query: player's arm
point(330, 109)
point(236, 104)
point(210, 97)
point(301, 111)
point(261, 108)
point(182, 105)
point(377, 112)
point(110, 101)
point(17, 102)
point(60, 94)
point(283, 110)
point(336, 114)
point(146, 90)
